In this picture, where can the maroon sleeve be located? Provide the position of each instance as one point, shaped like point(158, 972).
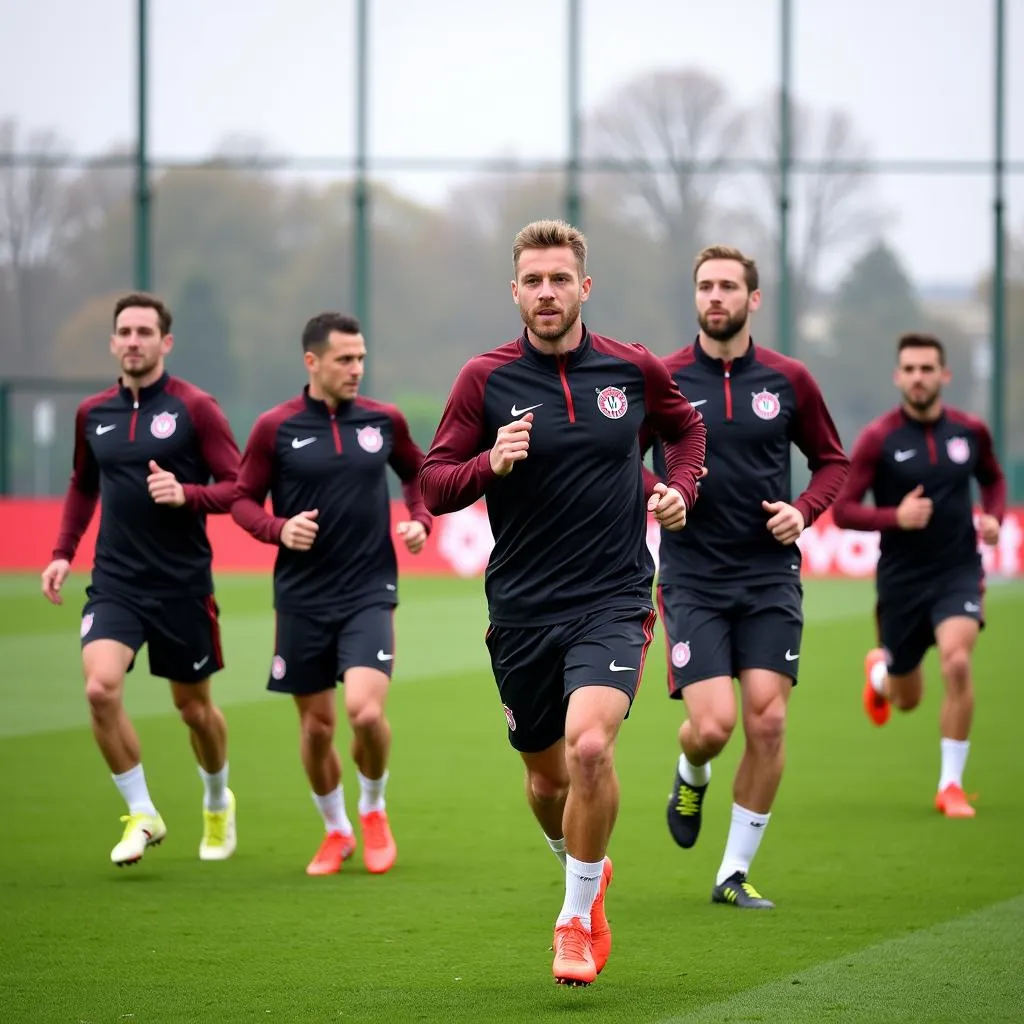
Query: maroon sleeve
point(990, 475)
point(816, 436)
point(220, 452)
point(406, 459)
point(849, 511)
point(680, 427)
point(646, 443)
point(255, 476)
point(83, 491)
point(457, 468)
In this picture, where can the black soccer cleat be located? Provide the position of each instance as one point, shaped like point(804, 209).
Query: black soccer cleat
point(684, 804)
point(738, 892)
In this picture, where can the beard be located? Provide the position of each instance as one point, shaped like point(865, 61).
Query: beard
point(725, 329)
point(922, 400)
point(141, 366)
point(552, 330)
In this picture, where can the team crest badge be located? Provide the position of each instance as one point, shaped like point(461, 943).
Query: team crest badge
point(370, 439)
point(278, 667)
point(681, 654)
point(613, 403)
point(958, 450)
point(766, 405)
point(86, 624)
point(164, 424)
point(509, 717)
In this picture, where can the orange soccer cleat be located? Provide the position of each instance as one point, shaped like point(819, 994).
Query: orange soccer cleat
point(952, 802)
point(379, 850)
point(574, 957)
point(336, 848)
point(600, 933)
point(877, 705)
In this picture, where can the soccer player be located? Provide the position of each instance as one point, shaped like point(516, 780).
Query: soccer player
point(323, 457)
point(545, 428)
point(146, 449)
point(918, 461)
point(729, 585)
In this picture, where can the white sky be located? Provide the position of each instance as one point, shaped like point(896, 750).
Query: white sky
point(465, 78)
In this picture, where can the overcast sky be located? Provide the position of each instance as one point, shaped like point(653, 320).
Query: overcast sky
point(470, 78)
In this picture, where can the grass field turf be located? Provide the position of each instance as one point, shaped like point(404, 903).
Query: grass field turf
point(886, 910)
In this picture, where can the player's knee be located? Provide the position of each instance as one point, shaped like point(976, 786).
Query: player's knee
point(905, 698)
point(546, 789)
point(193, 712)
point(590, 751)
point(766, 727)
point(103, 695)
point(713, 732)
point(956, 667)
point(317, 728)
point(367, 716)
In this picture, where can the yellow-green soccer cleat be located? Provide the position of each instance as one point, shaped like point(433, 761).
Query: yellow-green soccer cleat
point(219, 835)
point(738, 892)
point(140, 831)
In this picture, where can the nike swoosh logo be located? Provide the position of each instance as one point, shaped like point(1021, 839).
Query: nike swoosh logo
point(381, 656)
point(296, 443)
point(972, 608)
point(390, 586)
point(903, 456)
point(526, 408)
point(700, 401)
point(101, 430)
point(612, 667)
point(197, 665)
point(792, 657)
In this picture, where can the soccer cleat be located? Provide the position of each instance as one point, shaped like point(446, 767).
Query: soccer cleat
point(738, 892)
point(140, 831)
point(600, 933)
point(574, 957)
point(876, 705)
point(336, 848)
point(219, 835)
point(952, 802)
point(379, 850)
point(684, 804)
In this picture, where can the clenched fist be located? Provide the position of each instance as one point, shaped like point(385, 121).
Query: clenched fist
point(300, 531)
point(511, 445)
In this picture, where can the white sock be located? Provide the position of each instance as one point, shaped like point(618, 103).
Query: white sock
point(694, 775)
point(745, 834)
point(215, 784)
point(557, 847)
point(132, 785)
point(954, 760)
point(371, 793)
point(879, 673)
point(332, 809)
point(582, 883)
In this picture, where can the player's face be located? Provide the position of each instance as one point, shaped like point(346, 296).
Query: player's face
point(920, 376)
point(338, 370)
point(723, 301)
point(549, 292)
point(137, 343)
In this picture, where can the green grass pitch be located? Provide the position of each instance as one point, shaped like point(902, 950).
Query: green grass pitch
point(886, 911)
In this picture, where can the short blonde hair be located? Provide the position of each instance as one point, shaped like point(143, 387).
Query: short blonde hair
point(728, 252)
point(551, 234)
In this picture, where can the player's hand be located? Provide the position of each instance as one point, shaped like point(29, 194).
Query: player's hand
point(914, 511)
point(511, 445)
point(668, 507)
point(163, 486)
point(988, 529)
point(54, 576)
point(414, 534)
point(786, 523)
point(300, 531)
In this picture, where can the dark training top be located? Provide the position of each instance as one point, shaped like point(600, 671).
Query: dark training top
point(143, 547)
point(892, 456)
point(569, 522)
point(755, 407)
point(308, 457)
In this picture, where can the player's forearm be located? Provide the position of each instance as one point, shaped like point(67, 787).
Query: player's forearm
point(78, 509)
point(822, 491)
point(993, 498)
point(448, 487)
point(684, 461)
point(852, 515)
point(216, 498)
point(252, 517)
point(413, 497)
point(650, 479)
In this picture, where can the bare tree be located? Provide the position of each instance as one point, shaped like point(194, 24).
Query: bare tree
point(34, 221)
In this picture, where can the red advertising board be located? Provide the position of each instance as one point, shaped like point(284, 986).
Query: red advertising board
point(460, 544)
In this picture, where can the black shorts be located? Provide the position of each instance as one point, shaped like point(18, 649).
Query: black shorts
point(721, 631)
point(538, 667)
point(182, 634)
point(312, 654)
point(907, 621)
